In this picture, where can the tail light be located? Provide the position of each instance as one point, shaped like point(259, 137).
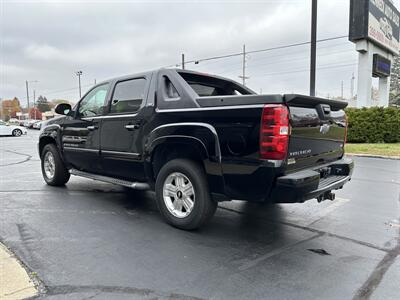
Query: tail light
point(274, 132)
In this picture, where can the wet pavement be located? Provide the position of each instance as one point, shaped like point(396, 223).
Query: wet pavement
point(95, 240)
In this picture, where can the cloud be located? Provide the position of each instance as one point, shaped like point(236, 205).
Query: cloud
point(48, 41)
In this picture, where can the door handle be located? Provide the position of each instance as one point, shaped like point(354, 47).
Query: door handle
point(132, 126)
point(92, 127)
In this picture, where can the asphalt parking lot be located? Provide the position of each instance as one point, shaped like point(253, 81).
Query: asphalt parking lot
point(94, 240)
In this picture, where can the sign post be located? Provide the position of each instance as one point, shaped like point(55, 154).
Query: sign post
point(375, 29)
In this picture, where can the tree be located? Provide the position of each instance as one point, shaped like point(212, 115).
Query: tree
point(395, 82)
point(35, 114)
point(42, 104)
point(9, 108)
point(394, 99)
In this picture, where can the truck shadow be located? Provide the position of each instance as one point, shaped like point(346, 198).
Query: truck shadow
point(235, 223)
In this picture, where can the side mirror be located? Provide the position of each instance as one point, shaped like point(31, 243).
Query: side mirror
point(63, 108)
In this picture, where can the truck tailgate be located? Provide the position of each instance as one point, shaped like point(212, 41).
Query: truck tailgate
point(318, 130)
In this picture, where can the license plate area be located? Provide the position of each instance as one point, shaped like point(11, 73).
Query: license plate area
point(335, 170)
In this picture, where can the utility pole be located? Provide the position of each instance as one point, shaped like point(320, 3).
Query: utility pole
point(352, 86)
point(341, 90)
point(243, 76)
point(1, 109)
point(34, 102)
point(79, 74)
point(183, 61)
point(313, 46)
point(27, 96)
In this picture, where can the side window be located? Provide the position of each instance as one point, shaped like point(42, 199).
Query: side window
point(93, 104)
point(128, 96)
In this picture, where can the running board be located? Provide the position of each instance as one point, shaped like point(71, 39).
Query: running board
point(130, 184)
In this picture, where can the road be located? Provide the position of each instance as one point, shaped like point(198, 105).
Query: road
point(94, 240)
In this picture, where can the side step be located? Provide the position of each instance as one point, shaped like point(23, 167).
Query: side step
point(133, 185)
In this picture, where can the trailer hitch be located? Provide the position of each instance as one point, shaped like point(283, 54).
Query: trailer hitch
point(326, 196)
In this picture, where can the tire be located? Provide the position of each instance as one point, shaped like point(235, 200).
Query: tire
point(54, 173)
point(17, 132)
point(173, 190)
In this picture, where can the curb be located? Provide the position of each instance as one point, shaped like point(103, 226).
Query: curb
point(16, 282)
point(373, 156)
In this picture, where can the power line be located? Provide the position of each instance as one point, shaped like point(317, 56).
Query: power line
point(280, 61)
point(307, 70)
point(299, 56)
point(65, 90)
point(260, 50)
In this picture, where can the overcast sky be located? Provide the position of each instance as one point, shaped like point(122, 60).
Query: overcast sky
point(49, 40)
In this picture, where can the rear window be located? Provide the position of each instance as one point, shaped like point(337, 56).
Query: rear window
point(206, 86)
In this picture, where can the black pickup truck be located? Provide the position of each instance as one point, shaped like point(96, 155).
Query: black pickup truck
point(198, 139)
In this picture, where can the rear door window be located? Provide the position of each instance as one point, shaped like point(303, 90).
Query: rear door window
point(128, 96)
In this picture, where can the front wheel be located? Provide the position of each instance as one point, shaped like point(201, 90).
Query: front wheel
point(182, 194)
point(17, 132)
point(53, 169)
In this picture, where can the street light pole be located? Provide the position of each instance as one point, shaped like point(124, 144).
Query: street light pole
point(313, 46)
point(79, 73)
point(27, 97)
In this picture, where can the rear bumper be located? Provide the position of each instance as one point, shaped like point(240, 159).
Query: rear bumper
point(312, 183)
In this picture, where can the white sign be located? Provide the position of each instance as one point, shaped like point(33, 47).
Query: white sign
point(384, 24)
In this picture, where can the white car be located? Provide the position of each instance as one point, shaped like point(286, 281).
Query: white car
point(14, 130)
point(37, 125)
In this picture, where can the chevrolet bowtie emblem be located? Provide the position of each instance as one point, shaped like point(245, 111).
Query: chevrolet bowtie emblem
point(324, 128)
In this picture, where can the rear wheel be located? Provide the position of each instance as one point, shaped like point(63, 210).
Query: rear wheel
point(53, 169)
point(182, 194)
point(17, 132)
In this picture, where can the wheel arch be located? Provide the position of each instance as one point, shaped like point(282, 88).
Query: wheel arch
point(166, 148)
point(45, 140)
point(16, 129)
point(196, 141)
point(49, 136)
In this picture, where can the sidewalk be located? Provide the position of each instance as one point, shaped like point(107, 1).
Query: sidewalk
point(14, 281)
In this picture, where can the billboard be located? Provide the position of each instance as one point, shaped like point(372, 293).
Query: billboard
point(377, 21)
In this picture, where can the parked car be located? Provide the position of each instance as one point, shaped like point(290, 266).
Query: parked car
point(198, 139)
point(7, 129)
point(37, 125)
point(13, 121)
point(30, 123)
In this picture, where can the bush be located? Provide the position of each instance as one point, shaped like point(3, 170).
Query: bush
point(373, 125)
